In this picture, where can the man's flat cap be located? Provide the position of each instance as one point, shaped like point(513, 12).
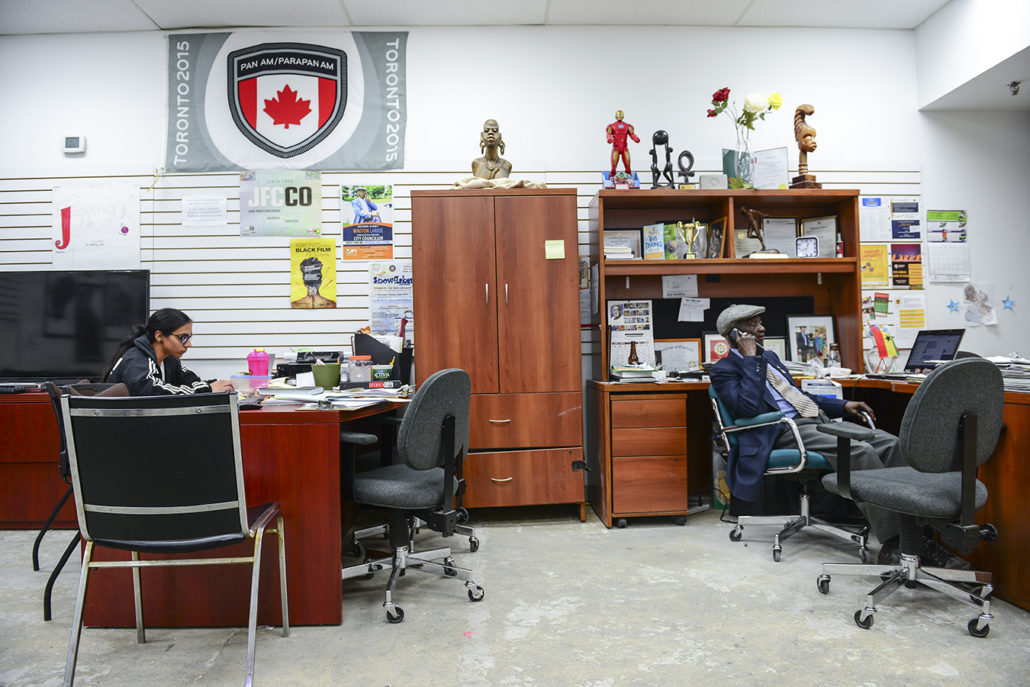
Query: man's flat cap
point(731, 316)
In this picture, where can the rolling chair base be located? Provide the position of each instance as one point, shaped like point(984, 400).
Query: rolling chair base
point(792, 524)
point(908, 573)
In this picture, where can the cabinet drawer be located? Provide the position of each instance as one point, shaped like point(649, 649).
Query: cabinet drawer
point(526, 420)
point(650, 412)
point(649, 484)
point(520, 478)
point(649, 441)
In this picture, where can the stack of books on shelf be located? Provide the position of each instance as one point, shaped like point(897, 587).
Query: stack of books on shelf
point(618, 252)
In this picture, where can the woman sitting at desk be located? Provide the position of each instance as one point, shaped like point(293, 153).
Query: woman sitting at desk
point(147, 360)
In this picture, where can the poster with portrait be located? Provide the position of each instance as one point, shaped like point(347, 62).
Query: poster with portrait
point(313, 273)
point(391, 311)
point(367, 214)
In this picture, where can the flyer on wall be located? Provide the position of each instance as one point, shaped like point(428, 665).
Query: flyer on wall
point(313, 273)
point(367, 213)
point(630, 322)
point(281, 203)
point(391, 312)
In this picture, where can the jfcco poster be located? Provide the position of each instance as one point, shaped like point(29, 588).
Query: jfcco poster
point(283, 203)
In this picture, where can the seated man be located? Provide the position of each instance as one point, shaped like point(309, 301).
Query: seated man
point(752, 381)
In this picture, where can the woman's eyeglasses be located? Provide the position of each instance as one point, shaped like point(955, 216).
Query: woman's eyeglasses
point(183, 338)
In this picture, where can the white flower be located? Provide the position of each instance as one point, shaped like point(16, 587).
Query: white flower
point(756, 102)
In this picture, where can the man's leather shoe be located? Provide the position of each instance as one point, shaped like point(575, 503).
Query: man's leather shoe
point(890, 553)
point(937, 556)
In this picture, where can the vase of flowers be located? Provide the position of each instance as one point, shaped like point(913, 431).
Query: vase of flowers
point(756, 106)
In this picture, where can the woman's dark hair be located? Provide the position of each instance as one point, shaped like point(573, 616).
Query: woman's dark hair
point(165, 320)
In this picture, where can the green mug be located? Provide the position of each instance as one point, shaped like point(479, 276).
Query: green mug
point(327, 375)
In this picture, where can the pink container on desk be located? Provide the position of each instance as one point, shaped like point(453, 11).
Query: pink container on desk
point(258, 361)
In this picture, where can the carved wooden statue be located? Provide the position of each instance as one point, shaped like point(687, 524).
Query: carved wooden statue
point(491, 165)
point(805, 136)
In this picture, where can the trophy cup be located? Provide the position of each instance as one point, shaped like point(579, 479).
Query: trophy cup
point(689, 232)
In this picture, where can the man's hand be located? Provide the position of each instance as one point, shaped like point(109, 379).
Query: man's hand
point(746, 343)
point(858, 407)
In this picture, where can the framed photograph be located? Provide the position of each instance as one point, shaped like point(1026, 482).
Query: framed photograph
point(780, 233)
point(622, 243)
point(717, 238)
point(809, 336)
point(716, 347)
point(678, 355)
point(825, 229)
point(776, 344)
point(807, 246)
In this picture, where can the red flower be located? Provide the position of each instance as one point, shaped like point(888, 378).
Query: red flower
point(713, 113)
point(720, 95)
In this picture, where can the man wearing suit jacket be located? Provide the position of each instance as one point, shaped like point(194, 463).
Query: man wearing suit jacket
point(745, 382)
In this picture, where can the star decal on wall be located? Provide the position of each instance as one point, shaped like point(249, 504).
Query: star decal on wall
point(1008, 303)
point(953, 306)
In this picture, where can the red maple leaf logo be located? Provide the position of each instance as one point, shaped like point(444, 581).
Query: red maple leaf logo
point(286, 108)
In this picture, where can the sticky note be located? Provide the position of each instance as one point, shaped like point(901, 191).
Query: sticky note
point(554, 250)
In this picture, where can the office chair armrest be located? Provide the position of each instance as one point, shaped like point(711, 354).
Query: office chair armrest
point(359, 438)
point(851, 431)
point(759, 420)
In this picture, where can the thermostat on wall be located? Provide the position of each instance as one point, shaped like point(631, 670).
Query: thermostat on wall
point(74, 144)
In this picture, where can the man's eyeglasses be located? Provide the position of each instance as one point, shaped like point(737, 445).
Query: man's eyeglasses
point(183, 338)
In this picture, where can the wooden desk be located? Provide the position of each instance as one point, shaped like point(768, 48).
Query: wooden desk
point(290, 456)
point(615, 472)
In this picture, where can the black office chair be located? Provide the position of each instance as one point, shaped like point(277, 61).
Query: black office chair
point(798, 463)
point(81, 389)
point(432, 441)
point(160, 475)
point(951, 426)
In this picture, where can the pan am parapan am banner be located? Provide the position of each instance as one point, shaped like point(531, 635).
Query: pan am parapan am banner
point(286, 100)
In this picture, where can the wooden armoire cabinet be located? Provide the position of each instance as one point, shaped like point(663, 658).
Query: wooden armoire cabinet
point(496, 293)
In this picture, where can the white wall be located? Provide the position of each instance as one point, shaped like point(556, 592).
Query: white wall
point(966, 38)
point(552, 90)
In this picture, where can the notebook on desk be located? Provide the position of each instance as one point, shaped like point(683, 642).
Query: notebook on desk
point(931, 348)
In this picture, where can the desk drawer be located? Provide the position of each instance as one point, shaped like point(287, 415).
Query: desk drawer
point(649, 441)
point(521, 478)
point(649, 484)
point(650, 412)
point(525, 420)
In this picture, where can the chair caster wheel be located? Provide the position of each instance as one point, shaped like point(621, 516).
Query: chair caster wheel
point(473, 544)
point(621, 523)
point(476, 593)
point(864, 555)
point(394, 614)
point(357, 550)
point(462, 516)
point(736, 533)
point(680, 520)
point(823, 584)
point(776, 553)
point(447, 569)
point(864, 624)
point(978, 632)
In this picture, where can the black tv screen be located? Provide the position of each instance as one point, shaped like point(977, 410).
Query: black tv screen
point(67, 324)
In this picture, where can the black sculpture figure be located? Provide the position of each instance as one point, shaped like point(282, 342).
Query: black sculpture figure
point(661, 138)
point(686, 172)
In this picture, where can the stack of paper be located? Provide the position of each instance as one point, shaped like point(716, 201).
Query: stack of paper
point(617, 252)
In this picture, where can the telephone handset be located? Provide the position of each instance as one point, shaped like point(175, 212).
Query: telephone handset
point(736, 334)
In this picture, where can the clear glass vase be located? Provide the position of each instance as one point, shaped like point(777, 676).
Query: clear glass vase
point(745, 161)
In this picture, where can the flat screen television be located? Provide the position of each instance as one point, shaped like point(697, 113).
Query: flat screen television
point(66, 325)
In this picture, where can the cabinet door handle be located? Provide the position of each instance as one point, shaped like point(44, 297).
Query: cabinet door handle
point(499, 422)
point(506, 293)
point(498, 479)
point(487, 287)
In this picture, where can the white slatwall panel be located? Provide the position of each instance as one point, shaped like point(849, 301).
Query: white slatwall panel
point(236, 288)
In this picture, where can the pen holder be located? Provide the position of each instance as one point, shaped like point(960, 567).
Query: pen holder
point(327, 375)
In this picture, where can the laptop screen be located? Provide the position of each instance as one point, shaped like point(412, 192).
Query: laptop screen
point(933, 345)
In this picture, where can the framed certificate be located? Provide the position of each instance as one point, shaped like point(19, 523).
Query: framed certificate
point(824, 229)
point(678, 355)
point(780, 233)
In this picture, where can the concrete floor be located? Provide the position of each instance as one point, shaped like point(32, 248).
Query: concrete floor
point(567, 603)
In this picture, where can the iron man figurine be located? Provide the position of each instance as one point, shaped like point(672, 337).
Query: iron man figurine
point(617, 132)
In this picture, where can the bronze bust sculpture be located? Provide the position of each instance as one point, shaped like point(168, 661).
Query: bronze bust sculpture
point(491, 144)
point(804, 134)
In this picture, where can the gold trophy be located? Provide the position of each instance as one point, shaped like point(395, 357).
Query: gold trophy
point(687, 232)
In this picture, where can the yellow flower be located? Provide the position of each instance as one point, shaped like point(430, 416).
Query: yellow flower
point(775, 100)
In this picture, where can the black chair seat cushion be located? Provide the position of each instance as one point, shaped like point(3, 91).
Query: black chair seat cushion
point(254, 513)
point(906, 490)
point(398, 486)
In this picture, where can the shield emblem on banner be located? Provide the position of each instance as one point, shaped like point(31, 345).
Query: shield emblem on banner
point(287, 97)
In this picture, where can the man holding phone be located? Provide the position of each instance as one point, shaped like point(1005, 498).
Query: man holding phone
point(752, 381)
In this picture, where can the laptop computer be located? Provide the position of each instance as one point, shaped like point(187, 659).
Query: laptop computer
point(931, 348)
